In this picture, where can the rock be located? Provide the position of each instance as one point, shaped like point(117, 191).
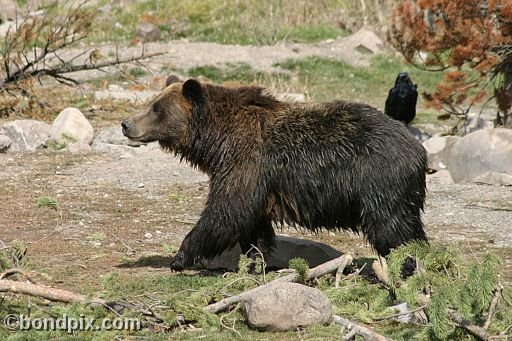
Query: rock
point(487, 150)
point(365, 41)
point(114, 135)
point(5, 27)
point(27, 135)
point(9, 10)
point(148, 32)
point(71, 126)
point(78, 147)
point(286, 306)
point(418, 134)
point(493, 178)
point(5, 143)
point(286, 248)
point(106, 9)
point(477, 121)
point(438, 149)
point(440, 177)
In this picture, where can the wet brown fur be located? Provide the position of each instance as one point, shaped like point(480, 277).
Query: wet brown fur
point(334, 165)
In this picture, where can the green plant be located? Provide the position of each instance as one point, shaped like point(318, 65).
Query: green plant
point(47, 201)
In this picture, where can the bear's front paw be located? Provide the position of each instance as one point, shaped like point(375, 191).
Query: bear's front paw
point(181, 261)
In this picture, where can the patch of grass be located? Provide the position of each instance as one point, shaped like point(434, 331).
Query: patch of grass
point(241, 72)
point(138, 72)
point(327, 79)
point(185, 294)
point(228, 22)
point(47, 201)
point(97, 236)
point(310, 34)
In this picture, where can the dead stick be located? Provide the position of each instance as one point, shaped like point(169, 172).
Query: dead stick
point(461, 322)
point(494, 303)
point(52, 294)
point(410, 312)
point(11, 272)
point(322, 269)
point(356, 329)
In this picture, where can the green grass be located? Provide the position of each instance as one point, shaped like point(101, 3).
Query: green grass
point(47, 201)
point(228, 22)
point(230, 72)
point(185, 294)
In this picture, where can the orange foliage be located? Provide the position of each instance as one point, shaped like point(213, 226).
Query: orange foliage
point(465, 36)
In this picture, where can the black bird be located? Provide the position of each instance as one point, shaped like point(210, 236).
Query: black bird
point(401, 101)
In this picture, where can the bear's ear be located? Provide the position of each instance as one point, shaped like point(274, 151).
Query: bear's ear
point(192, 91)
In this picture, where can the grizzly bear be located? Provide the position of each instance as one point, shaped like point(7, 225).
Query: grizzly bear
point(335, 165)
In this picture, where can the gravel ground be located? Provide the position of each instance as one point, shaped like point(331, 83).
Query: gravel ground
point(453, 211)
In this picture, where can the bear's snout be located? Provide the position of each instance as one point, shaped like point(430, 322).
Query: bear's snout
point(126, 125)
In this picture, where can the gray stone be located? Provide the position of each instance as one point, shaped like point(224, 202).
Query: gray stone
point(27, 135)
point(418, 134)
point(106, 9)
point(114, 135)
point(493, 178)
point(148, 32)
point(477, 121)
point(487, 150)
point(6, 27)
point(79, 147)
point(71, 126)
point(365, 41)
point(438, 149)
point(286, 306)
point(286, 248)
point(5, 143)
point(8, 11)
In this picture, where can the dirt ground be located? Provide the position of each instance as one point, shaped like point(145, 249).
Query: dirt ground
point(138, 203)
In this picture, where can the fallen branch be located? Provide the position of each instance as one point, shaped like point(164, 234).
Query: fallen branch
point(322, 269)
point(11, 272)
point(494, 303)
point(356, 329)
point(389, 317)
point(473, 329)
point(49, 293)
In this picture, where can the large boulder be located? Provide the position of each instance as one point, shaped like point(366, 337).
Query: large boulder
point(147, 32)
point(487, 150)
point(70, 127)
point(8, 11)
point(477, 121)
point(493, 178)
point(286, 306)
point(27, 135)
point(438, 149)
point(286, 248)
point(5, 143)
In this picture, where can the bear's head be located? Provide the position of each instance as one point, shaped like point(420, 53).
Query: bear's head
point(169, 115)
